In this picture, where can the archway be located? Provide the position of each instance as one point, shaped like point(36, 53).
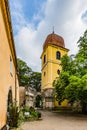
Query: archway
point(38, 101)
point(9, 99)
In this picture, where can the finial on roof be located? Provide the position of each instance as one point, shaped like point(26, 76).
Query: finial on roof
point(53, 29)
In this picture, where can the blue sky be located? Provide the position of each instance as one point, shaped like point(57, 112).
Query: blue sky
point(33, 20)
point(26, 10)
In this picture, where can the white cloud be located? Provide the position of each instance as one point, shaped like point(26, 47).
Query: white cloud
point(18, 18)
point(65, 16)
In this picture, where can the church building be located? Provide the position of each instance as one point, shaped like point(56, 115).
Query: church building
point(53, 50)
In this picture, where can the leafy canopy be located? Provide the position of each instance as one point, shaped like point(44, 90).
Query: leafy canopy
point(24, 72)
point(27, 77)
point(35, 80)
point(72, 82)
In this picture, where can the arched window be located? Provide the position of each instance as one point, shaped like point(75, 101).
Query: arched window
point(44, 73)
point(9, 97)
point(58, 55)
point(58, 72)
point(44, 58)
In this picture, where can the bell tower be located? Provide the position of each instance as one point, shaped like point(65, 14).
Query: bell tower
point(53, 50)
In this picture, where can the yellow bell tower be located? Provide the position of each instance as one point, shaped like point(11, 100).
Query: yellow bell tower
point(53, 50)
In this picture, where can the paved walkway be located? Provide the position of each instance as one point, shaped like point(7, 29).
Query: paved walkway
point(57, 121)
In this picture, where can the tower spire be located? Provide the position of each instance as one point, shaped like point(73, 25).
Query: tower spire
point(53, 29)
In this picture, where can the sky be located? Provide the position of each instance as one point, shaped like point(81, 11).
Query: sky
point(33, 20)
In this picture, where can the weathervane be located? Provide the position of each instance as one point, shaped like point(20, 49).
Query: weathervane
point(53, 29)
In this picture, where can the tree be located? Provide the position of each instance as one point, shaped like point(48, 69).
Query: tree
point(24, 72)
point(76, 66)
point(77, 91)
point(65, 63)
point(27, 77)
point(82, 44)
point(82, 93)
point(60, 85)
point(68, 64)
point(35, 81)
point(71, 91)
point(81, 56)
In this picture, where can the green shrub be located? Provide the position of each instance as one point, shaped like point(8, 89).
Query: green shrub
point(25, 109)
point(14, 117)
point(33, 115)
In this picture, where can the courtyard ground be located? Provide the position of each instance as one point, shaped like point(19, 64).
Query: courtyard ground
point(58, 121)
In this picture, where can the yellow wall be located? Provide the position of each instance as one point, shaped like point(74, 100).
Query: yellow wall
point(7, 79)
point(52, 65)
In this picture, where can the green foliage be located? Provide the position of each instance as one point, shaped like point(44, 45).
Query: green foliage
point(25, 109)
point(82, 93)
point(81, 56)
point(27, 77)
point(84, 82)
point(24, 73)
point(65, 62)
point(82, 44)
point(71, 91)
point(74, 86)
point(64, 77)
point(69, 64)
point(60, 85)
point(14, 115)
point(35, 81)
point(33, 114)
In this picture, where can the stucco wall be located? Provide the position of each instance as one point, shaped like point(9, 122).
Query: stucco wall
point(50, 72)
point(7, 79)
point(51, 65)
